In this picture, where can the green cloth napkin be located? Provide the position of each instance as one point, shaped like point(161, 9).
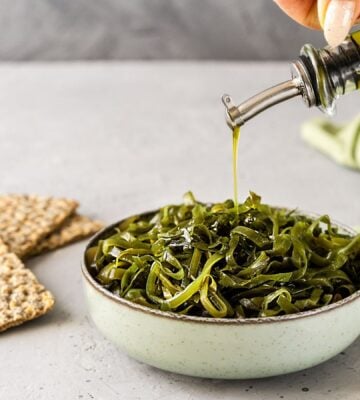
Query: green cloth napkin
point(341, 143)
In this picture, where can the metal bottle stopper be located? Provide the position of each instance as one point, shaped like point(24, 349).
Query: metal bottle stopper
point(319, 76)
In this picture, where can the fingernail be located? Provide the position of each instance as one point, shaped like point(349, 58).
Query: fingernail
point(338, 20)
point(322, 6)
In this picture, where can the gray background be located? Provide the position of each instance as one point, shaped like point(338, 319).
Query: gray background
point(148, 29)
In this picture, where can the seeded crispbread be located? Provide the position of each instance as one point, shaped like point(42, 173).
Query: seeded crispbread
point(76, 227)
point(3, 248)
point(26, 219)
point(22, 297)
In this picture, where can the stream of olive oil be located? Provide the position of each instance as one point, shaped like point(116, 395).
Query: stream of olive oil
point(236, 136)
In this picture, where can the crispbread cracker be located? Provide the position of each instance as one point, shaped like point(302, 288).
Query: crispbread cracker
point(26, 219)
point(22, 297)
point(3, 248)
point(76, 227)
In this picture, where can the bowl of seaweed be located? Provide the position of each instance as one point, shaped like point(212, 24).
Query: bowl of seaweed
point(220, 290)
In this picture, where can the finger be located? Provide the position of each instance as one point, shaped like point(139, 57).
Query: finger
point(322, 6)
point(338, 17)
point(357, 12)
point(302, 11)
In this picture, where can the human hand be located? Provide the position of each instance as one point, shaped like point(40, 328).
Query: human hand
point(335, 17)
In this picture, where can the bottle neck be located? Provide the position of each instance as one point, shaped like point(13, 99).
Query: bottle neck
point(331, 72)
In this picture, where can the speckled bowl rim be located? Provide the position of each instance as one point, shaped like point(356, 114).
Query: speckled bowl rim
point(207, 320)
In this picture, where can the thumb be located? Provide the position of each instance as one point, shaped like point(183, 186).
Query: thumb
point(337, 17)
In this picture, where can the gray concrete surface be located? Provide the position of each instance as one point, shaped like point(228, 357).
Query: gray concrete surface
point(124, 138)
point(148, 29)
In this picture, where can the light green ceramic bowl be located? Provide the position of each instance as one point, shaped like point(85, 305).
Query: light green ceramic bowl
point(222, 348)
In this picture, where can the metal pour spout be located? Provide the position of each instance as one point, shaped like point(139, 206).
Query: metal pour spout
point(238, 115)
point(319, 76)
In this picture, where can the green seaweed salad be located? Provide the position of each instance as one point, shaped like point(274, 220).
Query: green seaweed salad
point(212, 260)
